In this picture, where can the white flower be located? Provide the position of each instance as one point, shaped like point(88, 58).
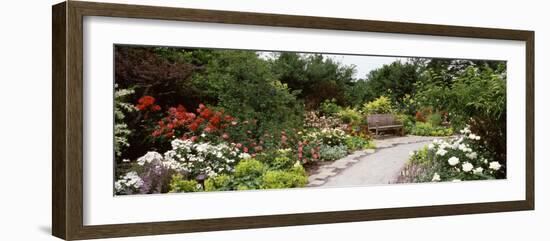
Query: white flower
point(478, 138)
point(244, 156)
point(203, 135)
point(453, 161)
point(462, 147)
point(151, 156)
point(411, 153)
point(478, 170)
point(125, 160)
point(441, 152)
point(431, 146)
point(436, 178)
point(472, 136)
point(472, 155)
point(466, 167)
point(494, 165)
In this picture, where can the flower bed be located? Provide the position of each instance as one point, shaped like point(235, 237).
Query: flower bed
point(454, 159)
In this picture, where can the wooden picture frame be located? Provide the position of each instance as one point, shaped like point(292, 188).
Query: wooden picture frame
point(67, 150)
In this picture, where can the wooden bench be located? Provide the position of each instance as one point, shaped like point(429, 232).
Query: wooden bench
point(384, 122)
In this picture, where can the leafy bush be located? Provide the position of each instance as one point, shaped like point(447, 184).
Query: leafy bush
point(179, 184)
point(435, 119)
point(248, 174)
point(357, 143)
point(329, 107)
point(475, 96)
point(350, 116)
point(331, 153)
point(244, 85)
point(221, 182)
point(427, 129)
point(282, 161)
point(295, 177)
point(382, 105)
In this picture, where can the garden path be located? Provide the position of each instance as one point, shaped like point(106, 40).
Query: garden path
point(370, 167)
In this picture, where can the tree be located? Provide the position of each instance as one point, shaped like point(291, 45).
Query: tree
point(242, 84)
point(317, 78)
point(395, 80)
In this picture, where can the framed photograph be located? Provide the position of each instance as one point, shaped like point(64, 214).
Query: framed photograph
point(170, 120)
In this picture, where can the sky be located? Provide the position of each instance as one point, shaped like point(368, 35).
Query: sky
point(363, 63)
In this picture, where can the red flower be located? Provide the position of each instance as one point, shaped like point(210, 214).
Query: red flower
point(156, 108)
point(193, 126)
point(194, 138)
point(206, 113)
point(215, 120)
point(145, 102)
point(210, 128)
point(225, 136)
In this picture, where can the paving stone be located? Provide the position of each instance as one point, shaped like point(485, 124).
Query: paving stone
point(316, 183)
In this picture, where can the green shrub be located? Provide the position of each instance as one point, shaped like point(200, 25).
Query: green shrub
point(382, 105)
point(350, 115)
point(420, 157)
point(435, 119)
point(283, 179)
point(248, 173)
point(331, 153)
point(357, 143)
point(329, 107)
point(250, 167)
point(279, 159)
point(221, 182)
point(427, 129)
point(474, 96)
point(179, 184)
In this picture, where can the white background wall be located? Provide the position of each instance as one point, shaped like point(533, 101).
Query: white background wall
point(25, 120)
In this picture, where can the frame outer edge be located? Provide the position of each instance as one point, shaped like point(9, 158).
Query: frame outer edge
point(67, 120)
point(74, 121)
point(59, 192)
point(530, 119)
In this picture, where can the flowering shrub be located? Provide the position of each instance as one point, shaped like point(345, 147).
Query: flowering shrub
point(187, 159)
point(202, 158)
point(313, 120)
point(179, 123)
point(456, 159)
point(122, 132)
point(147, 103)
point(129, 183)
point(332, 137)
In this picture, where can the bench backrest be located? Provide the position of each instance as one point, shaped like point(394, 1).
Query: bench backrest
point(382, 120)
